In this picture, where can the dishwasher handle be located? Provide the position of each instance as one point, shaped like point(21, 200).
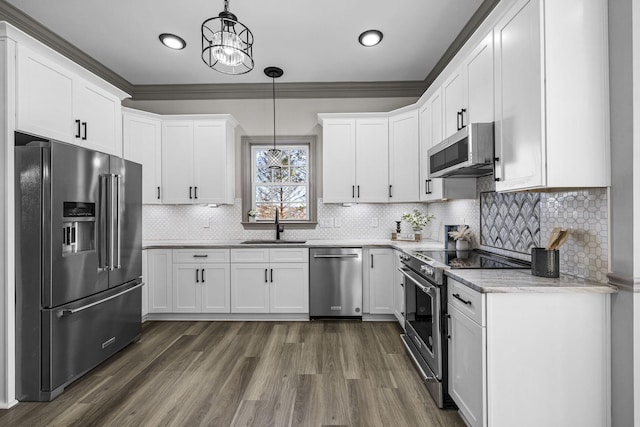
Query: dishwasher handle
point(336, 255)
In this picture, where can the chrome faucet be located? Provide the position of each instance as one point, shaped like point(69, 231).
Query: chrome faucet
point(279, 227)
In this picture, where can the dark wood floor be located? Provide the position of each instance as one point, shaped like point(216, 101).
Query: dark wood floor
point(248, 374)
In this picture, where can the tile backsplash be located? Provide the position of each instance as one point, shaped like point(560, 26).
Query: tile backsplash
point(585, 211)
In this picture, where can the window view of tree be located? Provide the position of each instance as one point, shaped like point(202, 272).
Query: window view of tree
point(285, 189)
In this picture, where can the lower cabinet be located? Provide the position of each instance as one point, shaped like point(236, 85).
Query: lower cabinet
point(201, 281)
point(381, 280)
point(529, 359)
point(270, 280)
point(398, 289)
point(158, 280)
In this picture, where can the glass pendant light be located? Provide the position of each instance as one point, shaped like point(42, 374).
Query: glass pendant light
point(274, 155)
point(227, 45)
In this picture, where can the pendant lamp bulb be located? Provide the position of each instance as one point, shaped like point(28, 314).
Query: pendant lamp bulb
point(274, 155)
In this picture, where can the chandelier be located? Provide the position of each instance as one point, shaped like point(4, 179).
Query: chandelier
point(227, 44)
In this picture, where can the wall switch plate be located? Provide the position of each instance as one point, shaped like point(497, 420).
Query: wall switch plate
point(206, 223)
point(374, 222)
point(325, 222)
point(337, 222)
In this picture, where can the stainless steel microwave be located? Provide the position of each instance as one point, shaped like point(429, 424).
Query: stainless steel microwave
point(466, 153)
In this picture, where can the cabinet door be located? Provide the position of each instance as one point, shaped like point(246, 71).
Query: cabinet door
point(187, 288)
point(177, 162)
point(467, 359)
point(210, 161)
point(44, 97)
point(398, 290)
point(143, 144)
point(289, 288)
point(519, 140)
point(453, 95)
point(216, 288)
point(478, 73)
point(381, 281)
point(338, 160)
point(430, 135)
point(159, 280)
point(404, 158)
point(100, 114)
point(250, 288)
point(372, 160)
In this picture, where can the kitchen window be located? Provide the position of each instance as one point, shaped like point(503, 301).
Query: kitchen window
point(290, 189)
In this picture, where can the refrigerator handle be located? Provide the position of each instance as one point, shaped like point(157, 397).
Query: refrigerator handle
point(103, 235)
point(115, 221)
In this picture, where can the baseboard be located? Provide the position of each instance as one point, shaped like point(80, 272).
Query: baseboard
point(379, 318)
point(8, 405)
point(230, 317)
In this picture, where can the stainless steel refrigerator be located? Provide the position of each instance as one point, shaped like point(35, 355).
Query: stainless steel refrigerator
point(78, 262)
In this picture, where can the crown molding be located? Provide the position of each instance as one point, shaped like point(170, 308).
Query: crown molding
point(285, 90)
point(467, 31)
point(28, 25)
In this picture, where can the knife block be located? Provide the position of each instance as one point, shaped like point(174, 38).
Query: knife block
point(545, 263)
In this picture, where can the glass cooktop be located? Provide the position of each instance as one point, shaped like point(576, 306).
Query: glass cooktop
point(471, 259)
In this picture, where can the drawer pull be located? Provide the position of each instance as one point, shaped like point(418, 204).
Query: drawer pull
point(465, 302)
point(201, 256)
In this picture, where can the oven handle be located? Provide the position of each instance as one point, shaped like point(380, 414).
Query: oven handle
point(426, 289)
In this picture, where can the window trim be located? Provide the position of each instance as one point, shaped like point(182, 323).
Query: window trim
point(248, 142)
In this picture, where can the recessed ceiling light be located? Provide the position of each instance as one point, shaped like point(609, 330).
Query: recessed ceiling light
point(370, 38)
point(172, 41)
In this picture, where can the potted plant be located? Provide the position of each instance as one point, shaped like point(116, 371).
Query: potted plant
point(462, 235)
point(417, 220)
point(252, 215)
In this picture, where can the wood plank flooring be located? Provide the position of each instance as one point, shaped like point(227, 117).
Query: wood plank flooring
point(316, 373)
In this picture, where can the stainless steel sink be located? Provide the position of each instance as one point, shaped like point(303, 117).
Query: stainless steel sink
point(271, 242)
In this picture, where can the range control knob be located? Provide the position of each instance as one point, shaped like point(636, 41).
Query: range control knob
point(426, 269)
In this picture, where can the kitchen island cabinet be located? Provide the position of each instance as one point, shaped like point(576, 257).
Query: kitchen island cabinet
point(529, 356)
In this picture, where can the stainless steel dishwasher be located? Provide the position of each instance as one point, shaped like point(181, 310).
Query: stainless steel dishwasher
point(335, 282)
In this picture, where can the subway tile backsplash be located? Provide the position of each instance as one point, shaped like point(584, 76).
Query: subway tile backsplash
point(585, 254)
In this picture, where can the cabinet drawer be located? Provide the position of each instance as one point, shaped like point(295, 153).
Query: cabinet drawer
point(200, 256)
point(250, 255)
point(289, 255)
point(468, 301)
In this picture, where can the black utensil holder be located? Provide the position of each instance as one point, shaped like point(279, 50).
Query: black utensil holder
point(545, 263)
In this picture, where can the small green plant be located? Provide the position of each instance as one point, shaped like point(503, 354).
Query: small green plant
point(417, 219)
point(252, 213)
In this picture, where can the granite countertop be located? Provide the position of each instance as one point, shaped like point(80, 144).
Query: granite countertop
point(522, 281)
point(237, 244)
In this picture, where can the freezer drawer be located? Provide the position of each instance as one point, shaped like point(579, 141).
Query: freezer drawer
point(335, 282)
point(86, 332)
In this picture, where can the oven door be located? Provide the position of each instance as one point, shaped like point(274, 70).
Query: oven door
point(422, 318)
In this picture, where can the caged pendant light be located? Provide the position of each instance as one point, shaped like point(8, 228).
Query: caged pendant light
point(227, 44)
point(274, 156)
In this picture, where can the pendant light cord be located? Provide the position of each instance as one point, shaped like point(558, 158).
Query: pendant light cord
point(273, 89)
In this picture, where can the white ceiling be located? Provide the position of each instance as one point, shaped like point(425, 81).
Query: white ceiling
point(312, 40)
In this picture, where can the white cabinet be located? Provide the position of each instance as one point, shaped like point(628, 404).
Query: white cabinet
point(431, 128)
point(142, 143)
point(355, 159)
point(54, 102)
point(398, 290)
point(201, 281)
point(551, 95)
point(270, 280)
point(158, 280)
point(504, 353)
point(453, 103)
point(404, 157)
point(381, 281)
point(198, 161)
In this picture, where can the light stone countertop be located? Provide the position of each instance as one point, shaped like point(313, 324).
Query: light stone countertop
point(237, 244)
point(522, 281)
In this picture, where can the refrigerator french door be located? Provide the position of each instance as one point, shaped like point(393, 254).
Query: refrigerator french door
point(78, 262)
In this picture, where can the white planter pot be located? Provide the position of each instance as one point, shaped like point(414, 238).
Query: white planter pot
point(462, 245)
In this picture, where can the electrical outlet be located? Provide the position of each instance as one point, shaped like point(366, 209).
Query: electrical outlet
point(337, 222)
point(374, 222)
point(325, 222)
point(206, 223)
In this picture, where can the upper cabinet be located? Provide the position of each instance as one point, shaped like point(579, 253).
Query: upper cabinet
point(198, 158)
point(355, 159)
point(404, 157)
point(551, 92)
point(53, 101)
point(142, 143)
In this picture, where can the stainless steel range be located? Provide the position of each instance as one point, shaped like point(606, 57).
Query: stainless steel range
point(425, 309)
